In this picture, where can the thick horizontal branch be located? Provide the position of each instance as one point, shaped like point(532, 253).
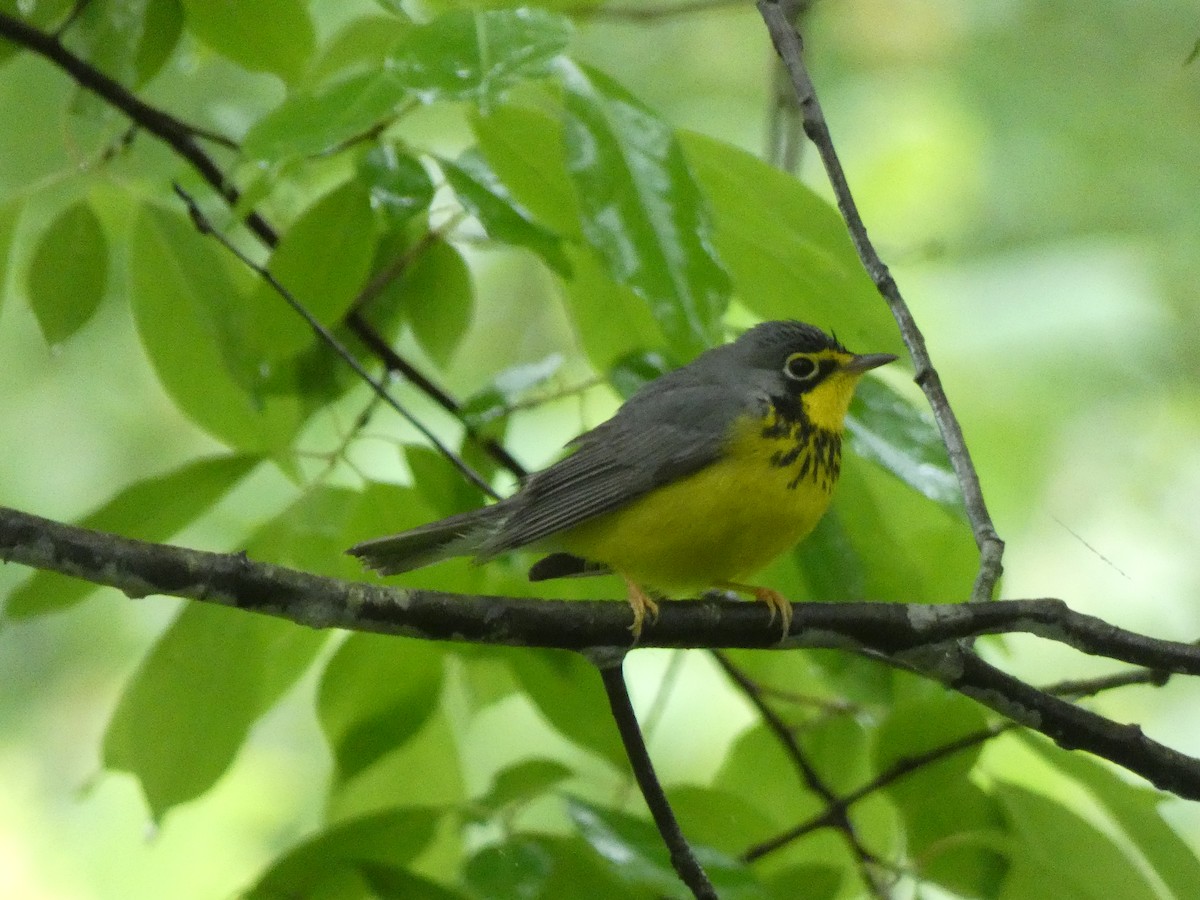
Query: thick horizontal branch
point(903, 630)
point(919, 636)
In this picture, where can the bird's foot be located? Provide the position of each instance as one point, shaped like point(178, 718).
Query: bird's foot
point(775, 601)
point(643, 605)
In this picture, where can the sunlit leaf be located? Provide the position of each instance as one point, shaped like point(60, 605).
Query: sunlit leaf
point(466, 55)
point(307, 124)
point(322, 260)
point(884, 427)
point(184, 302)
point(375, 694)
point(207, 680)
point(643, 211)
point(524, 147)
point(504, 218)
point(274, 36)
point(151, 510)
point(438, 298)
point(795, 263)
point(69, 273)
point(1136, 811)
point(1054, 845)
point(567, 691)
point(954, 827)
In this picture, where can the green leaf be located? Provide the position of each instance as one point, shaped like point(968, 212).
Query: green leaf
point(10, 213)
point(635, 850)
point(273, 36)
point(376, 693)
point(128, 41)
point(1055, 846)
point(525, 149)
point(42, 15)
point(795, 263)
point(322, 260)
point(643, 211)
point(566, 689)
point(150, 510)
point(69, 273)
point(312, 123)
point(540, 867)
point(398, 184)
point(183, 716)
point(389, 839)
point(1135, 810)
point(188, 313)
point(953, 827)
point(440, 483)
point(162, 26)
point(478, 56)
point(504, 219)
point(886, 428)
point(612, 322)
point(437, 297)
point(522, 782)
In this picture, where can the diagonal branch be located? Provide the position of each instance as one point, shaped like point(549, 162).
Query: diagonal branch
point(683, 859)
point(180, 136)
point(836, 811)
point(910, 765)
point(777, 16)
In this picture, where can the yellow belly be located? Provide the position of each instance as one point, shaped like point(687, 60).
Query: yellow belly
point(720, 524)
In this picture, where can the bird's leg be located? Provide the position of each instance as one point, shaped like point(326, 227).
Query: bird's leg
point(775, 601)
point(642, 603)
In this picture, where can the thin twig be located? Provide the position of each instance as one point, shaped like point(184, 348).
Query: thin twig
point(682, 858)
point(204, 226)
point(776, 15)
point(836, 811)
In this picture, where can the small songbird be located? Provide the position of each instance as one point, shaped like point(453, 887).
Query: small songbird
point(699, 480)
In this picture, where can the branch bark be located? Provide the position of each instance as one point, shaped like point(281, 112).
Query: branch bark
point(921, 637)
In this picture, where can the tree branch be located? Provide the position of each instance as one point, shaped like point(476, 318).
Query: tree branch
point(682, 858)
point(914, 635)
point(836, 810)
point(177, 134)
point(776, 15)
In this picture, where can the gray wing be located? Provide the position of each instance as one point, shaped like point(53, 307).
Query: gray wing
point(655, 438)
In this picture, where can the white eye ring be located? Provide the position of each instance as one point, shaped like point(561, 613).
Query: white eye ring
point(800, 367)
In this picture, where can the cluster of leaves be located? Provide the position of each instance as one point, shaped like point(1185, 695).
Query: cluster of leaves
point(653, 239)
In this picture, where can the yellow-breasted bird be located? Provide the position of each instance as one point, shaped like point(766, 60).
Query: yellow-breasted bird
point(698, 481)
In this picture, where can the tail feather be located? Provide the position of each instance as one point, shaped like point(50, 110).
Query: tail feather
point(460, 535)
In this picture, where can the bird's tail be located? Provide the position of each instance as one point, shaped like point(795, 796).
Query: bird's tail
point(460, 535)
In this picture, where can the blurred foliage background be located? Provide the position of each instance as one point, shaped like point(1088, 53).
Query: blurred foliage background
point(1028, 169)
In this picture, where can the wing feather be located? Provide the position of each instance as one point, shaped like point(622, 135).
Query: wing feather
point(679, 431)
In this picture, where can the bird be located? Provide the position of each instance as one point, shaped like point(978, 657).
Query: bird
point(699, 480)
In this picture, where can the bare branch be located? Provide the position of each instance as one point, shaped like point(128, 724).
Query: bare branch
point(836, 811)
point(683, 859)
point(914, 635)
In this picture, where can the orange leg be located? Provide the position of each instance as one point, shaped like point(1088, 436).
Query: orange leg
point(775, 601)
point(642, 603)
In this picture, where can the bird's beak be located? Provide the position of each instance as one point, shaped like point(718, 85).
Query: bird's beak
point(865, 361)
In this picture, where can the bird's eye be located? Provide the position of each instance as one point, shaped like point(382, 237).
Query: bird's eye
point(800, 367)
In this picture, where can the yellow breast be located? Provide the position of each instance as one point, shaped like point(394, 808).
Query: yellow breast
point(725, 522)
